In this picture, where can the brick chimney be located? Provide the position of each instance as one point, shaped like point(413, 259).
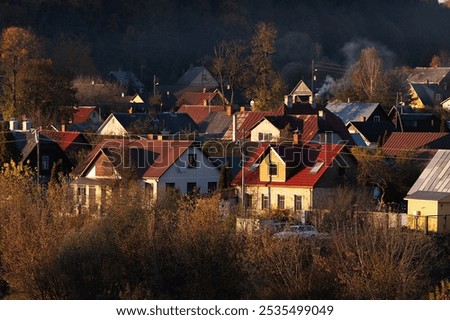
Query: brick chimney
point(242, 109)
point(63, 128)
point(295, 137)
point(229, 110)
point(362, 119)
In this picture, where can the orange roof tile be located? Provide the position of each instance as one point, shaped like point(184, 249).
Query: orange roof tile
point(64, 139)
point(199, 113)
point(82, 114)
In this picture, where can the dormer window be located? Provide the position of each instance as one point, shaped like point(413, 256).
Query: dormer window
point(273, 169)
point(264, 136)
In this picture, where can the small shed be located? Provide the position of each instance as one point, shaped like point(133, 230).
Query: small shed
point(429, 197)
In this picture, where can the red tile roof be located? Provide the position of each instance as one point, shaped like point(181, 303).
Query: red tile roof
point(82, 114)
point(64, 139)
point(199, 113)
point(161, 154)
point(302, 175)
point(400, 142)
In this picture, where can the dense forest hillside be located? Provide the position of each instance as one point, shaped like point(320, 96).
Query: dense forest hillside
point(165, 37)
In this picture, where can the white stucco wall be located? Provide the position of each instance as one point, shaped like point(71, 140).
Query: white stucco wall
point(265, 127)
point(180, 174)
point(112, 127)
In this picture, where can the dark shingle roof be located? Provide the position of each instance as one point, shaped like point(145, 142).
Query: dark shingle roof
point(373, 130)
point(280, 122)
point(215, 125)
point(175, 122)
point(428, 92)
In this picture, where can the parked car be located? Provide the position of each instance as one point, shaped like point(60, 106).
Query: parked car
point(299, 231)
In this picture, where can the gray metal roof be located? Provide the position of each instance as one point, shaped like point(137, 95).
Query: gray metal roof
point(352, 111)
point(428, 75)
point(198, 76)
point(436, 176)
point(429, 195)
point(215, 125)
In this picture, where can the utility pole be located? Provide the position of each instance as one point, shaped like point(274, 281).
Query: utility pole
point(244, 211)
point(155, 83)
point(313, 77)
point(38, 156)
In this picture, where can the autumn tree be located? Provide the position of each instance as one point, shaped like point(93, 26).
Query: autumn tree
point(442, 59)
point(30, 86)
point(264, 85)
point(441, 292)
point(367, 73)
point(375, 263)
point(287, 269)
point(18, 47)
point(340, 212)
point(5, 154)
point(373, 170)
point(228, 63)
point(367, 80)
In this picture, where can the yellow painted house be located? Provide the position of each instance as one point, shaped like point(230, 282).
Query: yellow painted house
point(429, 197)
point(291, 177)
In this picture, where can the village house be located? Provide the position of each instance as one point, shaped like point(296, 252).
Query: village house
point(358, 111)
point(195, 79)
point(157, 165)
point(429, 197)
point(429, 86)
point(292, 177)
point(426, 95)
point(411, 121)
point(72, 143)
point(370, 133)
point(300, 94)
point(319, 126)
point(127, 80)
point(38, 151)
point(203, 98)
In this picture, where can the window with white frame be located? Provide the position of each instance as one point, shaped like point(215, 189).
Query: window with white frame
point(264, 136)
point(298, 202)
point(265, 201)
point(281, 202)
